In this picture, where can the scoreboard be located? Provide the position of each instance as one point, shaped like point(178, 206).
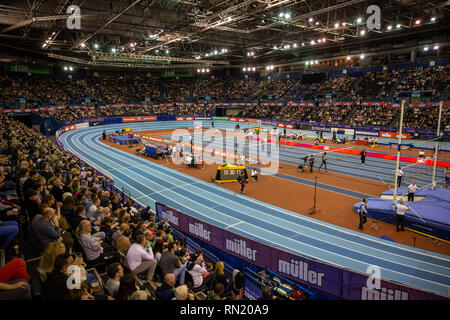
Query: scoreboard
point(229, 173)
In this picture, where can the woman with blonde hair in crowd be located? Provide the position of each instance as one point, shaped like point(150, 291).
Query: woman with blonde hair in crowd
point(47, 263)
point(219, 275)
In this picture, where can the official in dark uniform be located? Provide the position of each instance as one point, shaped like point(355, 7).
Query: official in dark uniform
point(324, 161)
point(362, 214)
point(311, 163)
point(104, 135)
point(363, 156)
point(241, 180)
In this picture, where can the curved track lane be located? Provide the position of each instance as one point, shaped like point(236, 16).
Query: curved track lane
point(304, 236)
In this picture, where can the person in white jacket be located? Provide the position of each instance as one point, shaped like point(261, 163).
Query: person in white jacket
point(198, 271)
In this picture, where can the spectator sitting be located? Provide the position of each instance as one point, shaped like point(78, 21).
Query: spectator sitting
point(182, 293)
point(124, 243)
point(198, 271)
point(109, 228)
point(219, 275)
point(140, 258)
point(31, 203)
point(93, 246)
point(266, 294)
point(46, 229)
point(158, 249)
point(48, 258)
point(141, 228)
point(139, 295)
point(166, 291)
point(13, 281)
point(170, 263)
point(80, 214)
point(8, 231)
point(116, 235)
point(184, 255)
point(216, 294)
point(128, 285)
point(115, 273)
point(55, 286)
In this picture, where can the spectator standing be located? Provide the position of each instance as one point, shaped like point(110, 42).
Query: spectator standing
point(400, 215)
point(412, 188)
point(399, 176)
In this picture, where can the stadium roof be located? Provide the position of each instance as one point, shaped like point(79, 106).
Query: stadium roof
point(217, 33)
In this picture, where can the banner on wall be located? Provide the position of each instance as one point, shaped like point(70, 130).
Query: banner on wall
point(185, 118)
point(82, 125)
point(254, 121)
point(394, 135)
point(367, 133)
point(285, 125)
point(220, 118)
point(138, 119)
point(327, 278)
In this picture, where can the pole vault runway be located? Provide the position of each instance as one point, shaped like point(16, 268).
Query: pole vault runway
point(149, 182)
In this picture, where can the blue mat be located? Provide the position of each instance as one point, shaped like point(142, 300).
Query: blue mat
point(434, 210)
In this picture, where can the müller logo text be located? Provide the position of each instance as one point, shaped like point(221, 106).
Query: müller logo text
point(198, 230)
point(300, 270)
point(170, 217)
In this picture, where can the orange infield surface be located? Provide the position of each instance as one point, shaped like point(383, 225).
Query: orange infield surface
point(336, 208)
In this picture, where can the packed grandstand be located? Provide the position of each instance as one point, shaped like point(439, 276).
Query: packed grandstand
point(68, 233)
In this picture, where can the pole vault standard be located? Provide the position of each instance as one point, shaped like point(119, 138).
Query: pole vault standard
point(433, 183)
point(394, 200)
point(314, 209)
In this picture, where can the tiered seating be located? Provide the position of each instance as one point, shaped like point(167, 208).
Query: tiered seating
point(275, 88)
point(75, 209)
point(239, 89)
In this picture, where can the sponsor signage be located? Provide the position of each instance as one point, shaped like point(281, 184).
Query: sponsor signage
point(323, 129)
point(138, 119)
point(367, 133)
point(185, 118)
point(220, 118)
point(325, 277)
point(238, 119)
point(285, 125)
point(394, 135)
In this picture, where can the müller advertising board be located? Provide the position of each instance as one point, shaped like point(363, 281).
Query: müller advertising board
point(327, 278)
point(139, 119)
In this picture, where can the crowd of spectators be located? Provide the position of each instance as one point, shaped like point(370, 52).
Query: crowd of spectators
point(434, 79)
point(377, 85)
point(375, 115)
point(275, 88)
point(301, 92)
point(380, 85)
point(70, 221)
point(209, 87)
point(113, 90)
point(86, 112)
point(142, 88)
point(239, 89)
point(341, 87)
point(177, 90)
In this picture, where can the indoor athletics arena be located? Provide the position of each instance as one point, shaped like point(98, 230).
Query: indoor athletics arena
point(270, 150)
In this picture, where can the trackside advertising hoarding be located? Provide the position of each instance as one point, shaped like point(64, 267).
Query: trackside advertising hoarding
point(138, 119)
point(327, 278)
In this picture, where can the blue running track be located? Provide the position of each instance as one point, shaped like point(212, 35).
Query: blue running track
point(149, 182)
